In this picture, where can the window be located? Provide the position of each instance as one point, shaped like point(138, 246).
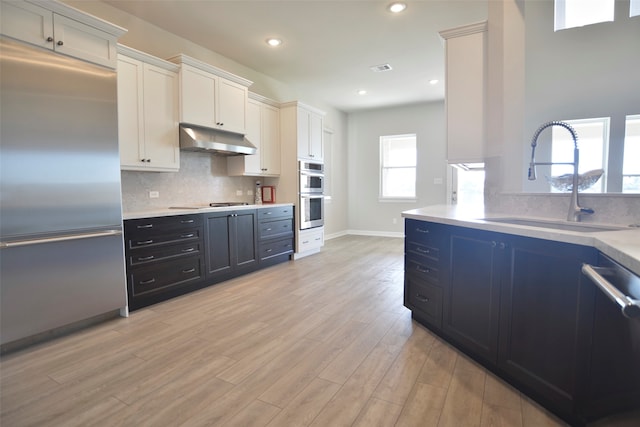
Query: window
point(634, 8)
point(631, 165)
point(593, 141)
point(398, 167)
point(577, 13)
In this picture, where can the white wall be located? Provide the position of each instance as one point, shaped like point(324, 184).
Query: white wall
point(366, 213)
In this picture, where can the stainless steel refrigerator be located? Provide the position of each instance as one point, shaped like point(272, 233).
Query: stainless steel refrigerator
point(61, 245)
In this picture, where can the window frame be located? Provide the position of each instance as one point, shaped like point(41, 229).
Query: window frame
point(381, 181)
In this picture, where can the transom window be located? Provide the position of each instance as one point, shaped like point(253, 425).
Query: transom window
point(578, 13)
point(398, 166)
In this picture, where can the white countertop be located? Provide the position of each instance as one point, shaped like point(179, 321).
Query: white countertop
point(156, 212)
point(621, 245)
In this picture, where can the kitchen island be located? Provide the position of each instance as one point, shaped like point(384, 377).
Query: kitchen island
point(510, 293)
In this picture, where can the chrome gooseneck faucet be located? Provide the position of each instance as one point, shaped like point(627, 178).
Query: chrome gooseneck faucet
point(575, 211)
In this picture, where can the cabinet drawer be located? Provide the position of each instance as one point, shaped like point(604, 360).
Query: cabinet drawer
point(161, 225)
point(424, 297)
point(423, 270)
point(275, 212)
point(418, 250)
point(424, 233)
point(172, 273)
point(271, 229)
point(159, 253)
point(160, 239)
point(280, 247)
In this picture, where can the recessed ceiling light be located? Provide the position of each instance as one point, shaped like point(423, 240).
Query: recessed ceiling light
point(362, 92)
point(433, 81)
point(397, 7)
point(274, 42)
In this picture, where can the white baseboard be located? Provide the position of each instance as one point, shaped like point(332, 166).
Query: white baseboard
point(364, 233)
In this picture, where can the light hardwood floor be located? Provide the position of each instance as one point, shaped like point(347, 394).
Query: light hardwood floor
point(322, 341)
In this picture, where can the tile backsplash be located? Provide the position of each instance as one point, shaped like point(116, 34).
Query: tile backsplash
point(202, 179)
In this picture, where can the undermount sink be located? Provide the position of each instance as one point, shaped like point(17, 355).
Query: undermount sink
point(557, 225)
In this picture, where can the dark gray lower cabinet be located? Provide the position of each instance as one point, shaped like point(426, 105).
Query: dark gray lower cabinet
point(172, 255)
point(522, 308)
point(231, 244)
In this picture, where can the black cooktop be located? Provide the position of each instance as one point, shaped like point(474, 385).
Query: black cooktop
point(223, 204)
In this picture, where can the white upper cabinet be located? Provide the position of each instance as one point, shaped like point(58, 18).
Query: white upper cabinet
point(308, 124)
point(263, 130)
point(63, 29)
point(212, 97)
point(465, 92)
point(147, 112)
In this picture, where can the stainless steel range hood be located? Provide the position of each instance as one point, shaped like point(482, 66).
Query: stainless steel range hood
point(215, 141)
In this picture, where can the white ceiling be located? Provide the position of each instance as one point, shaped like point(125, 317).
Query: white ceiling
point(329, 45)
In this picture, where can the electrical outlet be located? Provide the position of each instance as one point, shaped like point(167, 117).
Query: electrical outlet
point(249, 192)
point(154, 194)
point(394, 220)
point(238, 192)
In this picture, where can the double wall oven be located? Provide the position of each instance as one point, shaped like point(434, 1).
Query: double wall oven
point(311, 186)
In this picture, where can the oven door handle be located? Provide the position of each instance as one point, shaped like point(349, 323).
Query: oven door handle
point(630, 307)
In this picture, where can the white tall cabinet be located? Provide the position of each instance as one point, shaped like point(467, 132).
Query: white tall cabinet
point(465, 92)
point(147, 112)
point(263, 130)
point(301, 127)
point(212, 97)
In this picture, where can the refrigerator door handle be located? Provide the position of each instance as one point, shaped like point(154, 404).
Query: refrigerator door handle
point(55, 239)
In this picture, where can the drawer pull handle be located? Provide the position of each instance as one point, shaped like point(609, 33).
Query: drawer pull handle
point(423, 270)
point(145, 242)
point(268, 229)
point(304, 242)
point(189, 250)
point(189, 270)
point(144, 226)
point(147, 282)
point(423, 251)
point(146, 258)
point(422, 230)
point(269, 250)
point(422, 298)
point(268, 213)
point(186, 221)
point(186, 236)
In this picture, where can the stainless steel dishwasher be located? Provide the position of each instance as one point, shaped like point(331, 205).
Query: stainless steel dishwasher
point(614, 367)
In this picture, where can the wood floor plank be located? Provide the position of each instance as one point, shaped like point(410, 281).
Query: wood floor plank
point(305, 406)
point(423, 406)
point(378, 413)
point(463, 405)
point(256, 414)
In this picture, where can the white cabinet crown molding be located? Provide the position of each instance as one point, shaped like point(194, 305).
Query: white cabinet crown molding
point(263, 99)
point(476, 27)
point(303, 106)
point(146, 58)
point(184, 59)
point(78, 15)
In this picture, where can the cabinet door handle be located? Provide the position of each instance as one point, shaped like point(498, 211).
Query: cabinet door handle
point(144, 226)
point(186, 221)
point(423, 251)
point(188, 250)
point(422, 298)
point(60, 43)
point(186, 236)
point(423, 270)
point(144, 242)
point(422, 230)
point(267, 229)
point(49, 39)
point(189, 270)
point(269, 250)
point(147, 282)
point(146, 258)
